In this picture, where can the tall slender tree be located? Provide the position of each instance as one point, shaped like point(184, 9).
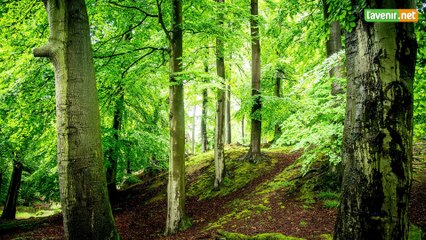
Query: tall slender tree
point(228, 114)
point(84, 196)
point(334, 45)
point(176, 185)
point(377, 148)
point(204, 138)
point(220, 110)
point(9, 211)
point(256, 123)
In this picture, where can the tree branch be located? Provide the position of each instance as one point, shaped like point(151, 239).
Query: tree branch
point(133, 7)
point(43, 51)
point(161, 20)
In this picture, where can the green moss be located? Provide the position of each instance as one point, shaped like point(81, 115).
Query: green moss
point(328, 196)
point(331, 204)
point(238, 174)
point(415, 233)
point(326, 237)
point(264, 236)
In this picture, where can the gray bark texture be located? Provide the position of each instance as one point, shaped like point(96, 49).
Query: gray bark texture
point(256, 125)
point(204, 138)
point(377, 144)
point(219, 150)
point(82, 181)
point(176, 185)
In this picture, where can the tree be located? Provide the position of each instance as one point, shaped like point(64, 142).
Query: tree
point(377, 143)
point(204, 138)
point(228, 114)
point(113, 151)
point(333, 45)
point(176, 186)
point(256, 124)
point(220, 110)
point(277, 93)
point(9, 210)
point(84, 197)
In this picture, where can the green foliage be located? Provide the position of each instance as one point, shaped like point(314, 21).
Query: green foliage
point(420, 76)
point(316, 122)
point(331, 204)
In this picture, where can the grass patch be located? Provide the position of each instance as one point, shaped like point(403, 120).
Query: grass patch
point(331, 204)
point(264, 236)
point(415, 233)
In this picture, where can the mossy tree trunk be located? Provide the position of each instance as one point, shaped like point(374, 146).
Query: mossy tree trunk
point(82, 181)
point(334, 45)
point(176, 185)
point(256, 125)
point(220, 110)
point(377, 145)
point(9, 210)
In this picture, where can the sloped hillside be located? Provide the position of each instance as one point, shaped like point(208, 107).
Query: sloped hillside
point(267, 200)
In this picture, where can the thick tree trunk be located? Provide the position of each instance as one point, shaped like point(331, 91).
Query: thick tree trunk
point(9, 210)
point(334, 45)
point(228, 114)
point(82, 181)
point(176, 185)
point(256, 124)
point(113, 153)
point(377, 147)
point(220, 112)
point(277, 93)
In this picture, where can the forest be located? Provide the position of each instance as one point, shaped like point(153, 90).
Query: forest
point(212, 119)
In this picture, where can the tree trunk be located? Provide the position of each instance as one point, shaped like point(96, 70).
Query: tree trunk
point(113, 153)
point(242, 130)
point(334, 45)
point(176, 185)
point(220, 111)
point(82, 181)
point(377, 144)
point(204, 138)
point(228, 114)
point(9, 210)
point(193, 129)
point(256, 125)
point(277, 93)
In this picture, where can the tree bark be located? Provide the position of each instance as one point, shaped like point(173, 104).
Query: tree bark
point(377, 144)
point(193, 129)
point(82, 180)
point(256, 125)
point(334, 45)
point(9, 210)
point(242, 130)
point(219, 150)
point(176, 185)
point(228, 114)
point(113, 153)
point(277, 93)
point(204, 138)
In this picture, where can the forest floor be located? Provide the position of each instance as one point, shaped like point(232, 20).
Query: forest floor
point(268, 197)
